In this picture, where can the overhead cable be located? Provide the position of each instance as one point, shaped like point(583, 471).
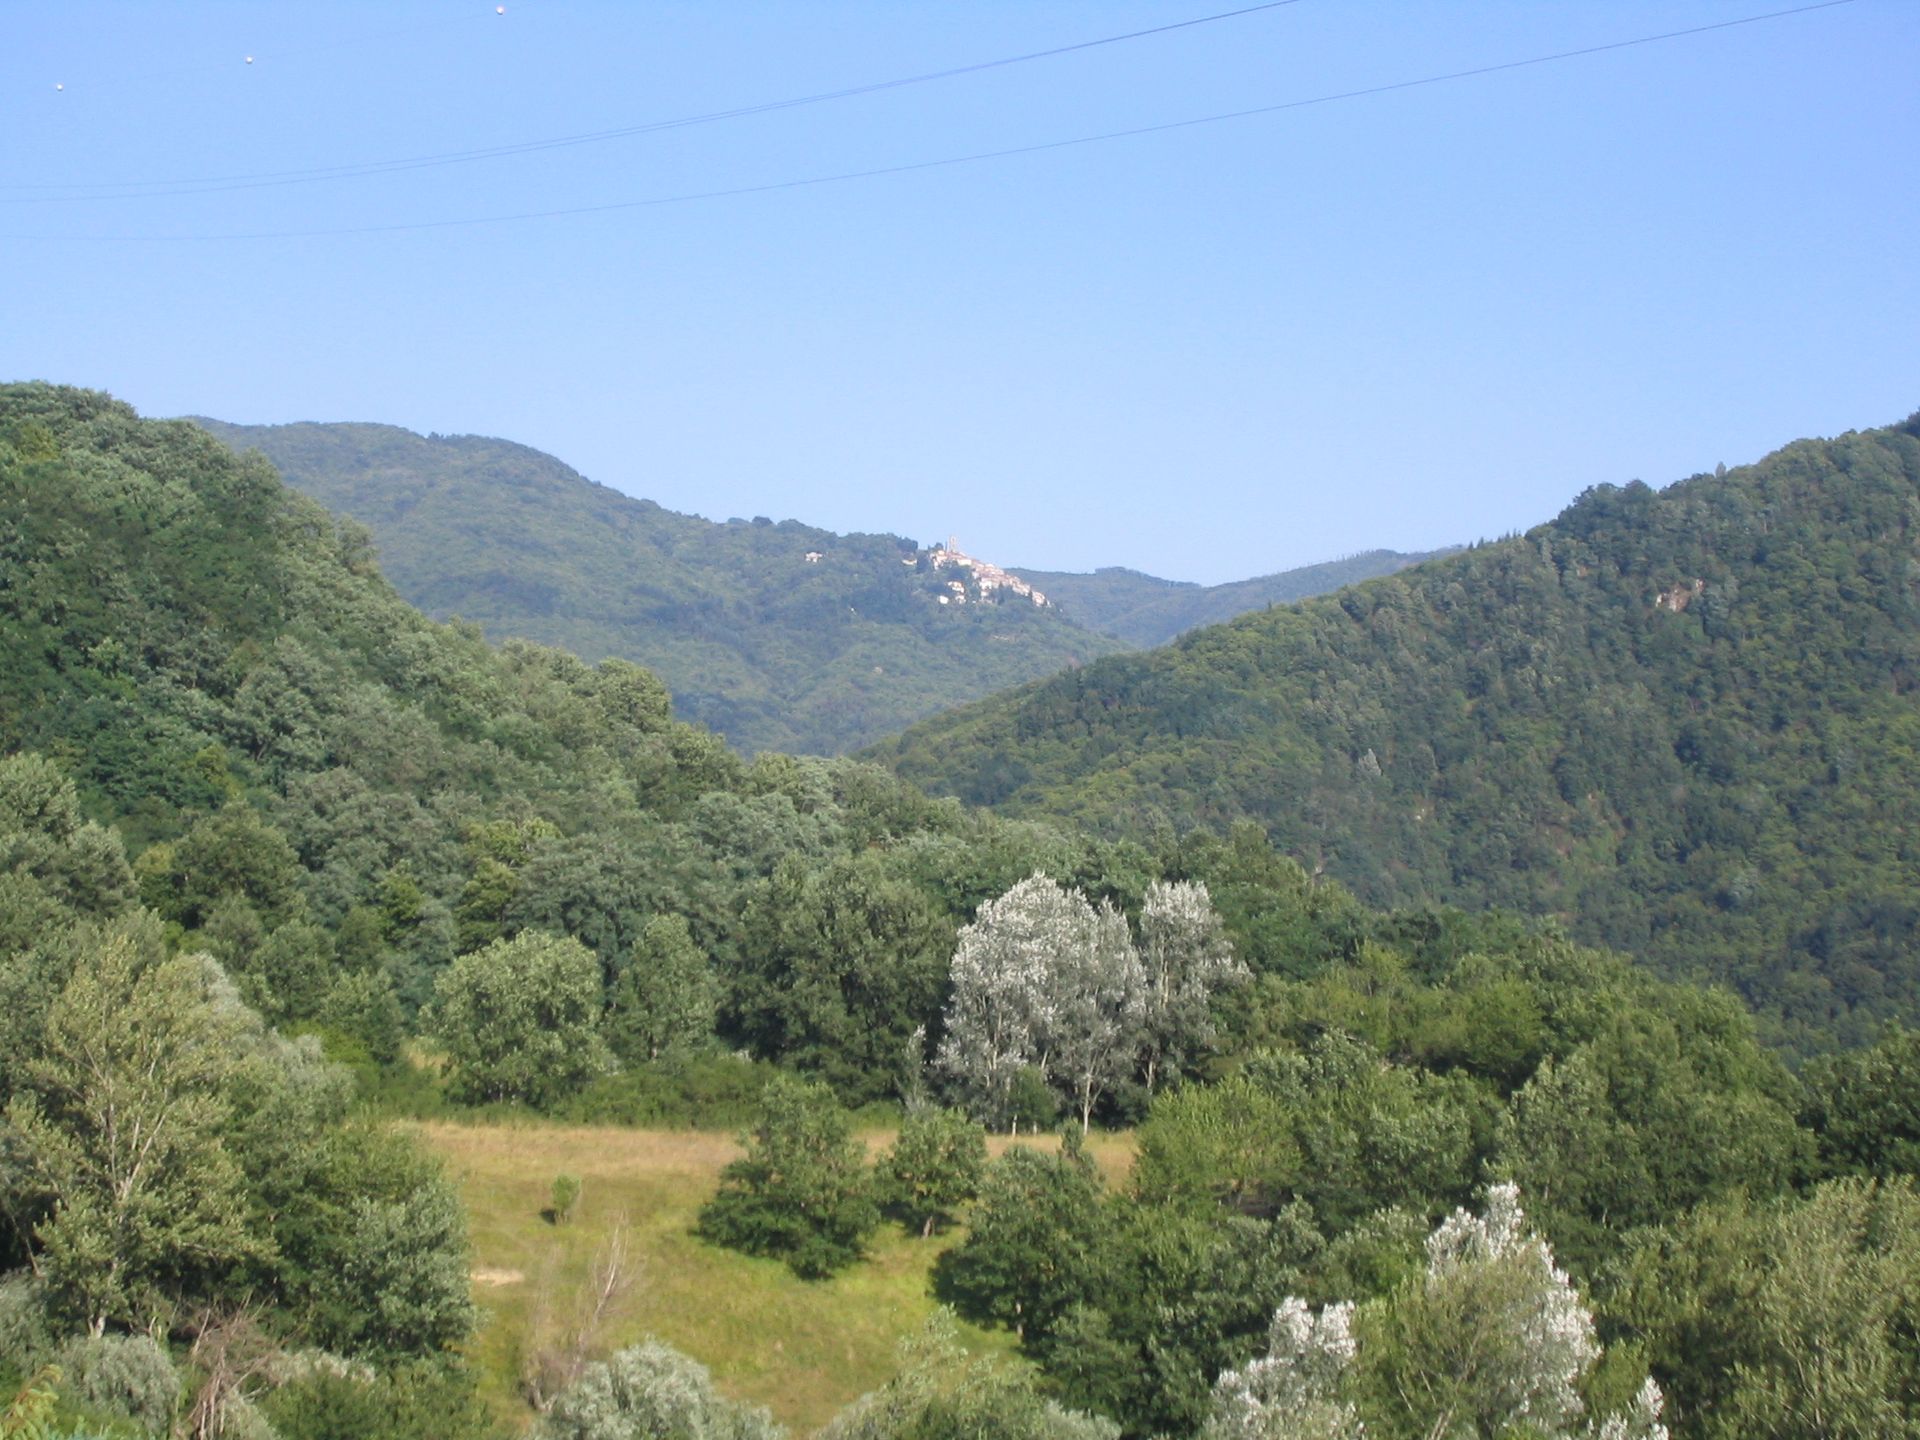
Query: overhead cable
point(976, 157)
point(141, 189)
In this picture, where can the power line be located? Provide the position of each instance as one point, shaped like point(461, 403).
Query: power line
point(772, 187)
point(145, 189)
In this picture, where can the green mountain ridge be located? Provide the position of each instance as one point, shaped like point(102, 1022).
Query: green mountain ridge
point(335, 795)
point(262, 797)
point(764, 646)
point(756, 641)
point(1146, 611)
point(1683, 721)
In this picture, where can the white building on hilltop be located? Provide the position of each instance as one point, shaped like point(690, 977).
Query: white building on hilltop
point(990, 579)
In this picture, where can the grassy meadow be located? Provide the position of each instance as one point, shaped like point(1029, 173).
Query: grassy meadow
point(801, 1348)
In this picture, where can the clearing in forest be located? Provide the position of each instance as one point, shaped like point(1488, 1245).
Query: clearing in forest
point(801, 1348)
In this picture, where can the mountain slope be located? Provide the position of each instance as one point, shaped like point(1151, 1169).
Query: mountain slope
point(1684, 721)
point(180, 630)
point(771, 649)
point(334, 795)
point(1146, 611)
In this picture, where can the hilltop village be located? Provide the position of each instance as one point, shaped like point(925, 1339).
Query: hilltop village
point(988, 579)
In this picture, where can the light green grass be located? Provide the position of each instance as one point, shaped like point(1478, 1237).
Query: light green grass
point(801, 1348)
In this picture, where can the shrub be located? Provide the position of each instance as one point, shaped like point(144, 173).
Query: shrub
point(934, 1167)
point(649, 1392)
point(1028, 1258)
point(943, 1393)
point(25, 1339)
point(692, 1092)
point(415, 1402)
point(802, 1192)
point(126, 1375)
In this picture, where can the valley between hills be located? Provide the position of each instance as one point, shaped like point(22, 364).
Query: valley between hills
point(775, 634)
point(1472, 1001)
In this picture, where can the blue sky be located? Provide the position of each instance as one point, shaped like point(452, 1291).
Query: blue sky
point(1408, 318)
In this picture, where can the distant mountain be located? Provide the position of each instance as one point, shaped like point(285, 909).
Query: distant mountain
point(1146, 611)
point(778, 636)
point(1685, 721)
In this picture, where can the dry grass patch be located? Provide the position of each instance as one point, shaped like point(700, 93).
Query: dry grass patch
point(801, 1348)
point(1112, 1154)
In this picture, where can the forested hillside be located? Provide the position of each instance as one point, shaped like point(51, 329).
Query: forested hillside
point(280, 859)
point(771, 650)
point(1146, 611)
point(218, 665)
point(1682, 721)
point(247, 792)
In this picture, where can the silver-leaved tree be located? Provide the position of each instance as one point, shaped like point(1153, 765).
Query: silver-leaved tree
point(1187, 958)
point(1491, 1339)
point(1045, 981)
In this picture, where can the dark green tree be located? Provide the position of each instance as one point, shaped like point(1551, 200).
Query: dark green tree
point(934, 1167)
point(841, 964)
point(520, 1020)
point(231, 854)
point(665, 1000)
point(802, 1192)
point(374, 1248)
point(1863, 1107)
point(1183, 1292)
point(54, 864)
point(1032, 1239)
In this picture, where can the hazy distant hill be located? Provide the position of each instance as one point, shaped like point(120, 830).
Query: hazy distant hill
point(1146, 611)
point(770, 648)
point(1686, 721)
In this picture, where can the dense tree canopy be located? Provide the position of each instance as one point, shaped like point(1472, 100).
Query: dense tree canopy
point(1146, 611)
point(489, 876)
point(772, 650)
point(1683, 721)
point(802, 1191)
point(172, 1167)
point(520, 1019)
